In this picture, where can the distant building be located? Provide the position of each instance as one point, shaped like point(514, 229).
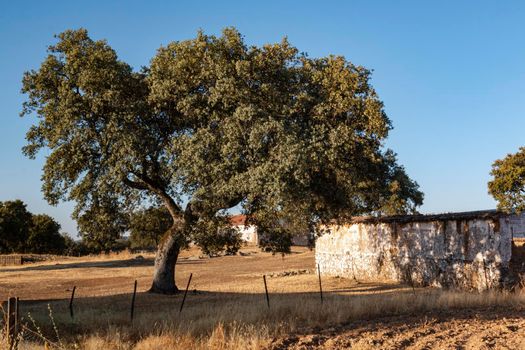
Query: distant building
point(248, 232)
point(250, 235)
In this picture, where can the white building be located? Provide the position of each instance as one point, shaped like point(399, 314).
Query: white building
point(250, 235)
point(248, 232)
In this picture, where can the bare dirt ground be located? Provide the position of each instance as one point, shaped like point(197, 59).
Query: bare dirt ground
point(115, 274)
point(230, 288)
point(467, 329)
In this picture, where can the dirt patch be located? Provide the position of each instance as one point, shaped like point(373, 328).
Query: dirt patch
point(465, 329)
point(115, 274)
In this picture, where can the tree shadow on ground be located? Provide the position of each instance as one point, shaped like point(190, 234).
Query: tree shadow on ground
point(159, 303)
point(98, 264)
point(370, 287)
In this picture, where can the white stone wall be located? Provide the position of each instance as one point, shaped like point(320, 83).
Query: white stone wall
point(471, 253)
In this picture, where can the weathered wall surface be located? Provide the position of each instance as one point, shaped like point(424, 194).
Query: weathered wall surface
point(248, 233)
point(468, 252)
point(516, 223)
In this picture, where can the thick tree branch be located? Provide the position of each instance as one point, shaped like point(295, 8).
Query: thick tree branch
point(192, 212)
point(146, 184)
point(135, 184)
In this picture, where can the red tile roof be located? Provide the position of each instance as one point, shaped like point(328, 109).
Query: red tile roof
point(238, 220)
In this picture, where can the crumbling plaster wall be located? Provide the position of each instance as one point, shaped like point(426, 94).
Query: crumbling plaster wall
point(471, 253)
point(248, 233)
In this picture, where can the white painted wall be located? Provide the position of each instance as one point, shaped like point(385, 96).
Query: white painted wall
point(457, 253)
point(248, 233)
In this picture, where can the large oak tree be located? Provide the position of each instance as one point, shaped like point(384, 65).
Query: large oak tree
point(211, 124)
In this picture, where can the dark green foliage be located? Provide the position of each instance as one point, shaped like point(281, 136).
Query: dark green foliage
point(275, 232)
point(275, 239)
point(45, 237)
point(403, 196)
point(102, 225)
point(508, 182)
point(23, 232)
point(120, 245)
point(76, 248)
point(15, 223)
point(147, 227)
point(215, 236)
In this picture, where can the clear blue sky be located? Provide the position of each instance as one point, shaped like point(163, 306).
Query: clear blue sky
point(451, 74)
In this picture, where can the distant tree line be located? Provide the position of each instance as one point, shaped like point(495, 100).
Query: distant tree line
point(105, 229)
point(24, 232)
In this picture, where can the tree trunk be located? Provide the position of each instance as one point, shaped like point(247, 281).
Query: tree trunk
point(165, 260)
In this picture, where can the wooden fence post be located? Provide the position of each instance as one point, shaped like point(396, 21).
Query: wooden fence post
point(320, 285)
point(133, 301)
point(185, 293)
point(17, 320)
point(71, 302)
point(266, 290)
point(11, 323)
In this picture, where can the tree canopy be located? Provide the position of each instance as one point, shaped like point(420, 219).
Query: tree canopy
point(210, 124)
point(102, 224)
point(45, 237)
point(15, 222)
point(508, 182)
point(148, 225)
point(23, 232)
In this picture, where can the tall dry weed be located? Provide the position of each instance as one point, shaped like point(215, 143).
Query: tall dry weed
point(246, 323)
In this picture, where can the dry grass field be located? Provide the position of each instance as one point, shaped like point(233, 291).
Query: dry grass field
point(226, 307)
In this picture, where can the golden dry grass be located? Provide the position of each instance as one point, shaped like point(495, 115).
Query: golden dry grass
point(228, 310)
